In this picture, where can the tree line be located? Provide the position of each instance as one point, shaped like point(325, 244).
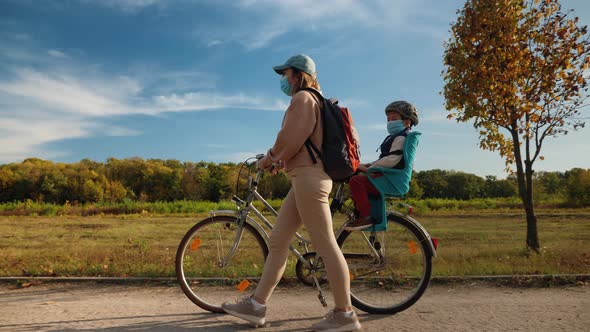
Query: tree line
point(154, 180)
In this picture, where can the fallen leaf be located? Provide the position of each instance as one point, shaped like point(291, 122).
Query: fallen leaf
point(243, 285)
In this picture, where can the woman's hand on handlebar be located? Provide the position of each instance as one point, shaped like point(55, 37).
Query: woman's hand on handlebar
point(265, 164)
point(276, 167)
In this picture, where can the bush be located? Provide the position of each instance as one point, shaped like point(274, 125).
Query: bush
point(578, 187)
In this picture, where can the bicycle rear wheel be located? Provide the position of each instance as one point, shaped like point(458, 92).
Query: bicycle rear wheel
point(391, 274)
point(199, 270)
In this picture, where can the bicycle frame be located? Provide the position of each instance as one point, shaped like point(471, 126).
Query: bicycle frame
point(243, 215)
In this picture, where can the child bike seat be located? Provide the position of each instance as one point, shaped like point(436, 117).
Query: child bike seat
point(392, 183)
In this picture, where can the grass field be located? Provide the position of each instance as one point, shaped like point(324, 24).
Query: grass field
point(145, 245)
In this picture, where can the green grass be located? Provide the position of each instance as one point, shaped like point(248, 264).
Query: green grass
point(494, 244)
point(32, 208)
point(144, 245)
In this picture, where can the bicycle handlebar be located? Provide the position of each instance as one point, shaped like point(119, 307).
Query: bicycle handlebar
point(273, 166)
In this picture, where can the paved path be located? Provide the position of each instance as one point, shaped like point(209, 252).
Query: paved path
point(116, 307)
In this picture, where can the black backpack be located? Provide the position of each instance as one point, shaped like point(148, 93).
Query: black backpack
point(340, 152)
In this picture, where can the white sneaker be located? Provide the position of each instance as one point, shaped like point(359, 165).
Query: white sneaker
point(246, 309)
point(338, 321)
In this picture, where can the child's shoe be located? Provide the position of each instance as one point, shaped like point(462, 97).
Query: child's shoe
point(360, 224)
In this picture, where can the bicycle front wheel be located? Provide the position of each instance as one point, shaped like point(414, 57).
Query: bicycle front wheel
point(202, 272)
point(389, 272)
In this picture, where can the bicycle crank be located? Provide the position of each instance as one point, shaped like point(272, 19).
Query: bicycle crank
point(311, 267)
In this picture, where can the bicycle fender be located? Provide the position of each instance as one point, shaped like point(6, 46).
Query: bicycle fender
point(420, 228)
point(214, 213)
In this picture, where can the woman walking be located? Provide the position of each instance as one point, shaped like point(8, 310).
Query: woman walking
point(306, 203)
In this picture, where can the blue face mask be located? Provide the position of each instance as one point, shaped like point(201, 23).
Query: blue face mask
point(395, 126)
point(285, 86)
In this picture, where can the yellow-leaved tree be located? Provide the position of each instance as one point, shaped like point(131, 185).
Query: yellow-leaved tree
point(518, 70)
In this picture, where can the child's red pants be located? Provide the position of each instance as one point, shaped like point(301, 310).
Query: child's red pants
point(360, 189)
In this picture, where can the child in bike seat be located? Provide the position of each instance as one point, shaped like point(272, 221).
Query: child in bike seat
point(401, 117)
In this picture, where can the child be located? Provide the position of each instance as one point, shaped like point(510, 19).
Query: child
point(401, 116)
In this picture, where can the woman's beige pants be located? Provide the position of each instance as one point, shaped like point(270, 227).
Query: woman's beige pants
point(307, 204)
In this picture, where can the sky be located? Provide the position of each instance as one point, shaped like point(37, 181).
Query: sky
point(192, 80)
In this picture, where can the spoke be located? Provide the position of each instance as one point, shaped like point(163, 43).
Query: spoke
point(219, 245)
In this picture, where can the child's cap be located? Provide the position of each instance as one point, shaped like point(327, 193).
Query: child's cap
point(405, 109)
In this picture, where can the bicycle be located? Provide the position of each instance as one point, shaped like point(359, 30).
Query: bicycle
point(389, 270)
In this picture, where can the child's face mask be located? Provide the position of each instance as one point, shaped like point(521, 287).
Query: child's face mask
point(395, 126)
point(285, 86)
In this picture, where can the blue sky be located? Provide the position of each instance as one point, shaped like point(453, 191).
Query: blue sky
point(191, 79)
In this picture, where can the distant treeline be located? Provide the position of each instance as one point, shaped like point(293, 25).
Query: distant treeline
point(156, 180)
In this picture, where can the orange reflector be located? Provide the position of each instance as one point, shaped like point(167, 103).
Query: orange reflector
point(413, 247)
point(351, 276)
point(195, 244)
point(243, 285)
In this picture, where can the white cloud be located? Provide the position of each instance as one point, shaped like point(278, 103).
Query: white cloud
point(352, 103)
point(118, 131)
point(279, 17)
point(57, 54)
point(213, 43)
point(62, 93)
point(9, 52)
point(307, 10)
point(236, 157)
point(21, 36)
point(436, 116)
point(128, 6)
point(215, 146)
point(264, 37)
point(22, 138)
point(443, 134)
point(39, 107)
point(156, 80)
point(197, 101)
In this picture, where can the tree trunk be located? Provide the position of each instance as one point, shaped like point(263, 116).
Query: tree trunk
point(532, 235)
point(525, 190)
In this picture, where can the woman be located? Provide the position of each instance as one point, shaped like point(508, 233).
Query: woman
point(305, 204)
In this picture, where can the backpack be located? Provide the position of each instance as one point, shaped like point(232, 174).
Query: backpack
point(340, 152)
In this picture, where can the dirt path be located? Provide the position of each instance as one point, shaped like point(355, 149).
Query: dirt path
point(100, 307)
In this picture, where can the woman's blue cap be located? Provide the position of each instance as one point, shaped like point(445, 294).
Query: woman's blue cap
point(299, 61)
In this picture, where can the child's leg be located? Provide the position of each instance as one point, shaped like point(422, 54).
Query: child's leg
point(360, 189)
